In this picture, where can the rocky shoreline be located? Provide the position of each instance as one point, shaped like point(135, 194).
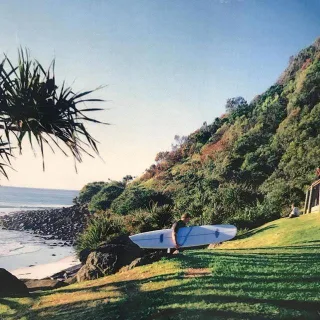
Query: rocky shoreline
point(64, 224)
point(61, 224)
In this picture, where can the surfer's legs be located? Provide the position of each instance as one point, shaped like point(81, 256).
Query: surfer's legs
point(174, 250)
point(178, 251)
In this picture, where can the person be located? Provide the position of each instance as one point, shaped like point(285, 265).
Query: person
point(184, 220)
point(295, 212)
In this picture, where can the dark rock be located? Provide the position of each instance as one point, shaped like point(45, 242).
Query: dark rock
point(11, 286)
point(109, 258)
point(147, 259)
point(98, 265)
point(44, 284)
point(71, 280)
point(64, 224)
point(83, 255)
point(122, 239)
point(135, 263)
point(67, 273)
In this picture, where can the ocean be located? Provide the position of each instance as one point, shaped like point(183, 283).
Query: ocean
point(21, 249)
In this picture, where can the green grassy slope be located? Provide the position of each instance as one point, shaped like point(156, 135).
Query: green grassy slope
point(283, 232)
point(271, 273)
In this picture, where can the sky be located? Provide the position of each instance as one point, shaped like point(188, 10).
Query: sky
point(167, 66)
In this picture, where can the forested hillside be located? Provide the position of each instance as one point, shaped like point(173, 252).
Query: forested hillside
point(247, 166)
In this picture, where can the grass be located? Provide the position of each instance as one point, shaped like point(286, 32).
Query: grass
point(283, 232)
point(270, 273)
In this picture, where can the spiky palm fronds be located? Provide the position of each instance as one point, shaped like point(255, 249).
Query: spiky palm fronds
point(32, 105)
point(5, 155)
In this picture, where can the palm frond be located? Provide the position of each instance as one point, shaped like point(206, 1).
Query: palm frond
point(32, 103)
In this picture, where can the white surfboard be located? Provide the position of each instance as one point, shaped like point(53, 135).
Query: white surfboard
point(187, 236)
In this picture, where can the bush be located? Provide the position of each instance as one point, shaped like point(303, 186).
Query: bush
point(88, 191)
point(138, 221)
point(101, 228)
point(162, 216)
point(104, 226)
point(157, 217)
point(255, 216)
point(138, 197)
point(104, 198)
point(230, 200)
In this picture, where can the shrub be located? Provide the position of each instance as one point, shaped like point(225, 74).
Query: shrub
point(138, 197)
point(138, 221)
point(255, 216)
point(162, 216)
point(88, 191)
point(104, 198)
point(102, 227)
point(157, 217)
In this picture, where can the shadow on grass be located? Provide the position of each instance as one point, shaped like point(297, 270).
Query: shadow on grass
point(255, 231)
point(13, 305)
point(313, 241)
point(306, 247)
point(9, 303)
point(242, 286)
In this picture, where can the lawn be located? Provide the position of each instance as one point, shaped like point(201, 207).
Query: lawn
point(270, 273)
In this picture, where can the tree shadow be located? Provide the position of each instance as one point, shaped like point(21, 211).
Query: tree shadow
point(255, 231)
point(242, 286)
point(13, 304)
point(306, 247)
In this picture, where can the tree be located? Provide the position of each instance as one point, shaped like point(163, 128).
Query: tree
point(126, 179)
point(88, 191)
point(32, 106)
point(138, 197)
point(233, 104)
point(162, 156)
point(104, 198)
point(178, 142)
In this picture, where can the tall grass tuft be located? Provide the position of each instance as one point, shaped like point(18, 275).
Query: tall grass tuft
point(101, 228)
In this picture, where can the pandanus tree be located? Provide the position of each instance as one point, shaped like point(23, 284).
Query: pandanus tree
point(33, 107)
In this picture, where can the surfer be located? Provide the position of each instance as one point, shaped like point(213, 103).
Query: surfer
point(295, 212)
point(185, 218)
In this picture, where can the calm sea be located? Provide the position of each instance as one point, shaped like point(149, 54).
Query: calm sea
point(17, 199)
point(21, 249)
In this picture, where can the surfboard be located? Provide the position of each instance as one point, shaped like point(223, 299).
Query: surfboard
point(187, 236)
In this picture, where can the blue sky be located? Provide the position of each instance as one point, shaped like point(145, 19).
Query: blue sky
point(168, 65)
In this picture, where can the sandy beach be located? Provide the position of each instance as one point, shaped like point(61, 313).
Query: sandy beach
point(46, 270)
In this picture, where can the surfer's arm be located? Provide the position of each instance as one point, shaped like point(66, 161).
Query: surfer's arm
point(174, 235)
point(174, 239)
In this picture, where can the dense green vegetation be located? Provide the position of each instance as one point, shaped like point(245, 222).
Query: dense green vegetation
point(251, 163)
point(137, 197)
point(269, 273)
point(245, 168)
point(88, 191)
point(105, 197)
point(104, 226)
